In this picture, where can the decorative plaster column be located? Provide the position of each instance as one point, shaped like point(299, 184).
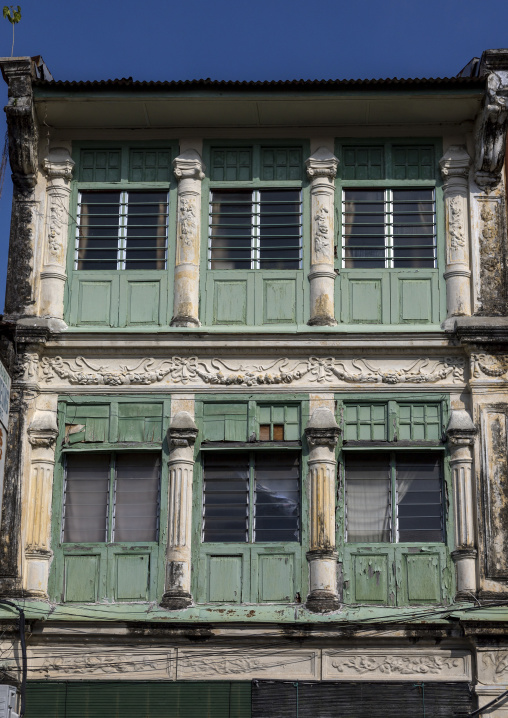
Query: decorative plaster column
point(321, 170)
point(42, 434)
point(58, 168)
point(461, 433)
point(322, 435)
point(455, 165)
point(189, 171)
point(182, 435)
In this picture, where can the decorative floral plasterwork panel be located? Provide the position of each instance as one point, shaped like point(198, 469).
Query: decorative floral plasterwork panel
point(396, 665)
point(485, 365)
point(219, 372)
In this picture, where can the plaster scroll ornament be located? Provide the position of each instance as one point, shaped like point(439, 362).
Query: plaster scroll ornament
point(396, 665)
point(321, 237)
point(187, 220)
point(493, 366)
point(456, 224)
point(498, 660)
point(218, 372)
point(227, 666)
point(491, 133)
point(104, 664)
point(26, 367)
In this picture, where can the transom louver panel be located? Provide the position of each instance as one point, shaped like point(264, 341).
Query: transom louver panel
point(100, 165)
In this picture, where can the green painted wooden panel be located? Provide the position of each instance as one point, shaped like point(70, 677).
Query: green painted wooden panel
point(415, 301)
point(143, 303)
point(139, 422)
point(413, 162)
point(276, 577)
point(281, 163)
point(231, 164)
point(365, 301)
point(420, 422)
point(230, 301)
point(81, 578)
point(369, 578)
point(225, 577)
point(288, 415)
point(365, 422)
point(363, 163)
point(131, 577)
point(149, 165)
point(225, 421)
point(88, 423)
point(279, 301)
point(100, 166)
point(95, 301)
point(420, 579)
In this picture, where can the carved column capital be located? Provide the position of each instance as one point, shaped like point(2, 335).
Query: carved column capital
point(189, 165)
point(182, 432)
point(460, 430)
point(43, 429)
point(455, 164)
point(59, 164)
point(322, 163)
point(322, 429)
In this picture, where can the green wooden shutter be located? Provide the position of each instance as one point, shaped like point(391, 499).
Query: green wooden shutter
point(280, 414)
point(365, 422)
point(360, 163)
point(87, 423)
point(281, 163)
point(231, 164)
point(147, 165)
point(413, 162)
point(100, 166)
point(225, 422)
point(139, 422)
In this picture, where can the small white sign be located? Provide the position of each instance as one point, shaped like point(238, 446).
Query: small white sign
point(5, 390)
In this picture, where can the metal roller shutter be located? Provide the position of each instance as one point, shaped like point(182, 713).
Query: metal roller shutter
point(272, 699)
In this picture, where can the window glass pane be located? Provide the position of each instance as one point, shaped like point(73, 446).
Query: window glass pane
point(86, 496)
point(414, 229)
point(277, 497)
point(280, 229)
point(364, 228)
point(368, 502)
point(136, 513)
point(231, 229)
point(419, 497)
point(146, 232)
point(226, 498)
point(98, 230)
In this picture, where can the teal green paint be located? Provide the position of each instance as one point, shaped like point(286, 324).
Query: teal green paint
point(264, 572)
point(130, 571)
point(254, 298)
point(390, 296)
point(130, 298)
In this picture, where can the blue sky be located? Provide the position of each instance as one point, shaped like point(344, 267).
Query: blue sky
point(234, 40)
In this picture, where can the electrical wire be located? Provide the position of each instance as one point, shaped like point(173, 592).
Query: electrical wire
point(22, 639)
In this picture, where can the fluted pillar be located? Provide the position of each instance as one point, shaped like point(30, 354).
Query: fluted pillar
point(322, 435)
point(58, 168)
point(455, 171)
point(461, 433)
point(321, 170)
point(182, 435)
point(42, 434)
point(189, 171)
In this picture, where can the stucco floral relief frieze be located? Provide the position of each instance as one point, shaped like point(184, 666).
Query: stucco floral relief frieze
point(486, 365)
point(219, 372)
point(370, 665)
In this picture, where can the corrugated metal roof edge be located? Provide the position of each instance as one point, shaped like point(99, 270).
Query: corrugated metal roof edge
point(440, 82)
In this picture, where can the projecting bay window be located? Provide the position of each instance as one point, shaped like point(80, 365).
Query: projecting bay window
point(111, 498)
point(255, 254)
point(390, 255)
point(122, 230)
